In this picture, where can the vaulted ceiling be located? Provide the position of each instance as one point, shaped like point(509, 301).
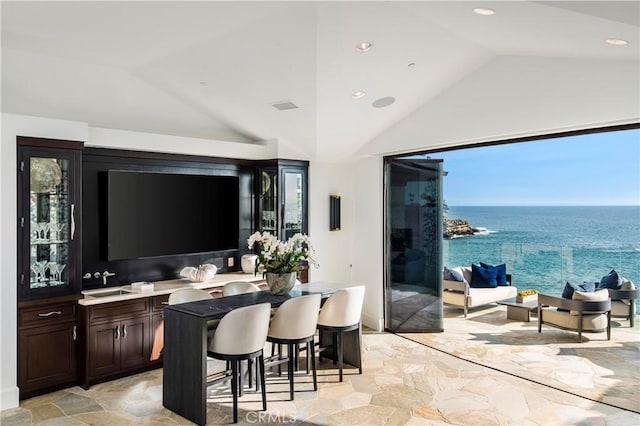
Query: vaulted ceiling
point(213, 70)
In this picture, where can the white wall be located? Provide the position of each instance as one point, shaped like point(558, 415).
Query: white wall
point(367, 239)
point(12, 126)
point(334, 248)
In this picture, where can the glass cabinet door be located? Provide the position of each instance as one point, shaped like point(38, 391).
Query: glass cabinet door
point(292, 202)
point(50, 222)
point(49, 219)
point(268, 201)
point(281, 198)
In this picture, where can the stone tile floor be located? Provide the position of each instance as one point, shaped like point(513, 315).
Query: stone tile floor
point(403, 383)
point(606, 371)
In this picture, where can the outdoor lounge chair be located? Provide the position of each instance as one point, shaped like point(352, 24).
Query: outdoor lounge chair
point(623, 303)
point(575, 315)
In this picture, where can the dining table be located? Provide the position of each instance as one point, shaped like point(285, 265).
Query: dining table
point(184, 384)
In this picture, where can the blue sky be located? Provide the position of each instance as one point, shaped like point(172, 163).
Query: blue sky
point(594, 169)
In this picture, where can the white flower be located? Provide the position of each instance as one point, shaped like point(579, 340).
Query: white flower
point(277, 256)
point(255, 237)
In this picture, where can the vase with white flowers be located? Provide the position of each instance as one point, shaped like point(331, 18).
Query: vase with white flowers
point(278, 261)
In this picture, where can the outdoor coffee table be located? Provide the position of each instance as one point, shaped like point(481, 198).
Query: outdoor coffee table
point(519, 311)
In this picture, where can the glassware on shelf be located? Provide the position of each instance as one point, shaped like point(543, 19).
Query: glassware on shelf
point(39, 269)
point(42, 232)
point(56, 231)
point(269, 219)
point(55, 271)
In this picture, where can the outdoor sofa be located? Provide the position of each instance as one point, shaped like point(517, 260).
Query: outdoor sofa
point(463, 294)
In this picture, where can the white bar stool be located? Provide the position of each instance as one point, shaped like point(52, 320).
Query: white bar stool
point(340, 314)
point(295, 323)
point(241, 335)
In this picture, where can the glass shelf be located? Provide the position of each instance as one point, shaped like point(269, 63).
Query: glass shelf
point(37, 243)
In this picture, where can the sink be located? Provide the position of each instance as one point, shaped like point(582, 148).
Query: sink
point(109, 293)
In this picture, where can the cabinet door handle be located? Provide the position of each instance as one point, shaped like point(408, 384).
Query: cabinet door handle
point(75, 334)
point(73, 220)
point(117, 332)
point(124, 331)
point(48, 314)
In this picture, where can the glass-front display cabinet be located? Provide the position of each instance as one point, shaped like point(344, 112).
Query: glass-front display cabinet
point(282, 201)
point(49, 218)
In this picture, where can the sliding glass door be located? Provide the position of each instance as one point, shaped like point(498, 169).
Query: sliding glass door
point(413, 245)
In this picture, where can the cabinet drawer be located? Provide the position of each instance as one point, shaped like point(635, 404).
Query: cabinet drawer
point(113, 310)
point(159, 302)
point(48, 314)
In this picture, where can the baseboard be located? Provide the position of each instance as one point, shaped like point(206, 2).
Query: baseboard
point(373, 322)
point(9, 398)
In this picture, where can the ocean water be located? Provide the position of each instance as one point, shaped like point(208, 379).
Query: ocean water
point(544, 247)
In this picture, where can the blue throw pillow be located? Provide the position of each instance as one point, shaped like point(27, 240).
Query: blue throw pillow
point(453, 274)
point(501, 278)
point(612, 280)
point(569, 288)
point(483, 277)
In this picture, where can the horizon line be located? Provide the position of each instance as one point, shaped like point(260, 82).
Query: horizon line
point(543, 205)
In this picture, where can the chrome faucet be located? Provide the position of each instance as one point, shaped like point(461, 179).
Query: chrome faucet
point(104, 276)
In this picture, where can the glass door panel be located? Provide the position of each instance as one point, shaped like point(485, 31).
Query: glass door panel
point(413, 245)
point(292, 203)
point(51, 226)
point(268, 200)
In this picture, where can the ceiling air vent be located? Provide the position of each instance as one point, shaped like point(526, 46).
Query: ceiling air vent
point(284, 105)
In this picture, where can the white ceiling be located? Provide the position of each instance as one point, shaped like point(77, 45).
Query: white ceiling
point(212, 69)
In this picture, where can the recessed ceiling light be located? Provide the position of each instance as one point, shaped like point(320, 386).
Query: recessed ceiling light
point(484, 11)
point(616, 41)
point(383, 102)
point(358, 95)
point(363, 47)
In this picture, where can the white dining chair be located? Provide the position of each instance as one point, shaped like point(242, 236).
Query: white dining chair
point(241, 335)
point(239, 287)
point(186, 295)
point(340, 314)
point(294, 323)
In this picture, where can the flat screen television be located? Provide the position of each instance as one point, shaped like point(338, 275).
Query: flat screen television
point(158, 214)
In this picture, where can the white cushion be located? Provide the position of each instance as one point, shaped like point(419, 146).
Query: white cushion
point(621, 309)
point(627, 285)
point(466, 272)
point(595, 296)
point(480, 296)
point(564, 319)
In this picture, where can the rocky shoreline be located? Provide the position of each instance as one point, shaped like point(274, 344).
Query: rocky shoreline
point(454, 228)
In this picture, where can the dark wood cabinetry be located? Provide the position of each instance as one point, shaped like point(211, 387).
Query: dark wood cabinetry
point(282, 202)
point(47, 335)
point(118, 345)
point(50, 217)
point(117, 338)
point(49, 231)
